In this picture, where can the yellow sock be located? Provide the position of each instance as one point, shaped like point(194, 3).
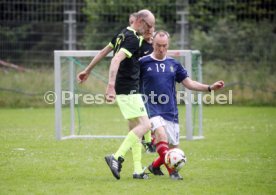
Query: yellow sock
point(128, 142)
point(137, 157)
point(147, 137)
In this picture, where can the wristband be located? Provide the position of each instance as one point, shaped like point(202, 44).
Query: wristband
point(209, 88)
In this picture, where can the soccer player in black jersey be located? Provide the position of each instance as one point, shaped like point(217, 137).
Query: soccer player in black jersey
point(123, 85)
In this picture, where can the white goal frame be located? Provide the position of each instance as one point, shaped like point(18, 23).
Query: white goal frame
point(58, 54)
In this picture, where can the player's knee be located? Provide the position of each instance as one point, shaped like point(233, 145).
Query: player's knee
point(160, 134)
point(147, 125)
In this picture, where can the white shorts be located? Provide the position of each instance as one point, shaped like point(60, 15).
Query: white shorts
point(172, 129)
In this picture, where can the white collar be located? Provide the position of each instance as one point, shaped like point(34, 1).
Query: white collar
point(151, 55)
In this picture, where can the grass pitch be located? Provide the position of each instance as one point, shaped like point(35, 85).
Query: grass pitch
point(238, 155)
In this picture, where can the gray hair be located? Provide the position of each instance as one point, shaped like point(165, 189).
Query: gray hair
point(144, 13)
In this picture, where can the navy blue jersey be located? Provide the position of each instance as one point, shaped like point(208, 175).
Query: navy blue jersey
point(157, 83)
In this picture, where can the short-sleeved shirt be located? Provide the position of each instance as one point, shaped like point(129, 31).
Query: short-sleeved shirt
point(127, 80)
point(158, 78)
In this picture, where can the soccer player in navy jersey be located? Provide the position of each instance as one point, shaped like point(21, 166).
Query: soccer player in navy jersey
point(158, 75)
point(123, 85)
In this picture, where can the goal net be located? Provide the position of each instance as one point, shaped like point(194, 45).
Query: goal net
point(81, 111)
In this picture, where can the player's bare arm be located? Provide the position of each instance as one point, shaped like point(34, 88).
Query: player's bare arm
point(197, 86)
point(114, 66)
point(83, 75)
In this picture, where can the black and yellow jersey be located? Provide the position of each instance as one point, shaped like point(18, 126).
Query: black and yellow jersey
point(145, 49)
point(128, 41)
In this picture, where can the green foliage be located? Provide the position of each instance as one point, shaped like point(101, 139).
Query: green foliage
point(30, 31)
point(106, 18)
point(236, 47)
point(237, 34)
point(238, 43)
point(11, 38)
point(204, 14)
point(237, 155)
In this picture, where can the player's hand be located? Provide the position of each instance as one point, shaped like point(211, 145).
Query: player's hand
point(217, 85)
point(110, 93)
point(82, 76)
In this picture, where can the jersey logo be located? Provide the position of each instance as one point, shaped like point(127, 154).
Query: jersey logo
point(146, 52)
point(149, 69)
point(120, 38)
point(171, 68)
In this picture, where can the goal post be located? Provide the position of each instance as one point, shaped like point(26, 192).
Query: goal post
point(191, 59)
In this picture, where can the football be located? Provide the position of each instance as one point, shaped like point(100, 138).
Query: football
point(175, 159)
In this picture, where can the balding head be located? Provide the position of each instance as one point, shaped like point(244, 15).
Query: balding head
point(145, 21)
point(160, 44)
point(147, 16)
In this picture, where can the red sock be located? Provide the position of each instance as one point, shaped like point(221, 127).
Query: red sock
point(161, 149)
point(157, 162)
point(169, 169)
